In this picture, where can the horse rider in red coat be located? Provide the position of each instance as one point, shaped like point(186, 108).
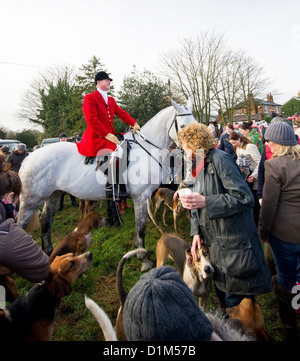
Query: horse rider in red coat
point(99, 110)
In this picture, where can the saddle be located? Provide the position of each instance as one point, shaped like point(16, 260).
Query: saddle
point(115, 189)
point(101, 161)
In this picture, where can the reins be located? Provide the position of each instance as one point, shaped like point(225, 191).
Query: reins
point(134, 140)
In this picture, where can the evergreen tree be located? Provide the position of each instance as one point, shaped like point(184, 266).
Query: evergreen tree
point(86, 77)
point(143, 95)
point(291, 107)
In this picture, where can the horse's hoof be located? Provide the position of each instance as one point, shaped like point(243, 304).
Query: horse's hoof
point(146, 265)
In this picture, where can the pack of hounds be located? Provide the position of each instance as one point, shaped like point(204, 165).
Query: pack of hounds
point(31, 317)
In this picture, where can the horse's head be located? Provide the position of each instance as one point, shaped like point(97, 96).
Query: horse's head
point(182, 118)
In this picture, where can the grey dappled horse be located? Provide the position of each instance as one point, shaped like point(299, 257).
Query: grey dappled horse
point(57, 168)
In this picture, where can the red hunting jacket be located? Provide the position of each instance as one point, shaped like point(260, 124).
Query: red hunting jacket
point(99, 117)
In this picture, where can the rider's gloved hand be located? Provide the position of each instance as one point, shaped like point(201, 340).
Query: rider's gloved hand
point(112, 138)
point(135, 127)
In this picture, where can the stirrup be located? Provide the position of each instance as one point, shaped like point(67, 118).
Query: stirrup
point(118, 193)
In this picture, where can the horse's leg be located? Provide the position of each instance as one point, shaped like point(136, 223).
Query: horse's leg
point(26, 211)
point(50, 207)
point(140, 210)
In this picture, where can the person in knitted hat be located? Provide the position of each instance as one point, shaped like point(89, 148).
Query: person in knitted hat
point(280, 208)
point(17, 157)
point(161, 307)
point(63, 137)
point(267, 154)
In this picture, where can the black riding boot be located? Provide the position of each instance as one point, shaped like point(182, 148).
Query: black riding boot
point(286, 312)
point(73, 201)
point(113, 218)
point(112, 185)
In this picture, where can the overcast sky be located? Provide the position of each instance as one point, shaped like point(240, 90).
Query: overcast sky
point(36, 34)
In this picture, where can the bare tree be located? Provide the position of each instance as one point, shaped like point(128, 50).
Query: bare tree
point(216, 76)
point(193, 69)
point(252, 81)
point(226, 86)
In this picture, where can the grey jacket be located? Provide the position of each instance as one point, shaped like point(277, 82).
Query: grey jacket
point(280, 212)
point(21, 254)
point(228, 229)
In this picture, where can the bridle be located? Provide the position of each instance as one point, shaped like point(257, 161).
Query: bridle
point(175, 121)
point(134, 140)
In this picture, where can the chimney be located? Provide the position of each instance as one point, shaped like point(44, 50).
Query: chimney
point(270, 98)
point(251, 105)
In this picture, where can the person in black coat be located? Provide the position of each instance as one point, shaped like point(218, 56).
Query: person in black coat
point(17, 157)
point(225, 145)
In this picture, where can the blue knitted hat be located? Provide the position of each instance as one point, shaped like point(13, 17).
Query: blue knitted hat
point(161, 307)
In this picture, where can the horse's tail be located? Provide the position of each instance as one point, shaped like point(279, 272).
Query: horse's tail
point(158, 226)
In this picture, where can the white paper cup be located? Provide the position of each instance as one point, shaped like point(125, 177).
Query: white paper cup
point(185, 192)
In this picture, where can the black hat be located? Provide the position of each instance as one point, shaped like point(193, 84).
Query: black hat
point(161, 307)
point(101, 76)
point(63, 135)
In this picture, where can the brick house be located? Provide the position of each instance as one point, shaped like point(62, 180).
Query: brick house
point(258, 108)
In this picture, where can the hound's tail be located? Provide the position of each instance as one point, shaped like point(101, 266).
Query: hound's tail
point(158, 226)
point(119, 283)
point(102, 318)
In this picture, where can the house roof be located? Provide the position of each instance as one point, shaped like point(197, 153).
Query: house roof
point(243, 117)
point(256, 103)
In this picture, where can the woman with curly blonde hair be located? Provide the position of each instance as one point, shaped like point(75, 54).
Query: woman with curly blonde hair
point(197, 136)
point(221, 214)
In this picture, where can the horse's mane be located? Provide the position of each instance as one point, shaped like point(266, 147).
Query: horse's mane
point(153, 119)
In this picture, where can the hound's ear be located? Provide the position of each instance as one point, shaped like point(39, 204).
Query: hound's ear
point(97, 220)
point(233, 311)
point(189, 257)
point(190, 103)
point(60, 287)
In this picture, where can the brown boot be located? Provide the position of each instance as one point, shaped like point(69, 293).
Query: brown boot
point(125, 204)
point(120, 208)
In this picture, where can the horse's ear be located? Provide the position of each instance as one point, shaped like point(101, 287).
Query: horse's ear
point(190, 103)
point(175, 105)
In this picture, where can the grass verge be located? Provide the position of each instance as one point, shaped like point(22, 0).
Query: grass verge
point(74, 322)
